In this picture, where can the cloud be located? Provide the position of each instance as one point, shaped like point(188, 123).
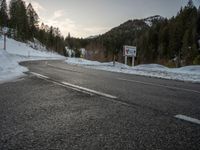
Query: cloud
point(37, 6)
point(58, 14)
point(60, 19)
point(67, 25)
point(95, 30)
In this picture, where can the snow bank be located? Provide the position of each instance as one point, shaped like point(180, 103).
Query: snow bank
point(189, 73)
point(23, 49)
point(17, 52)
point(84, 62)
point(9, 67)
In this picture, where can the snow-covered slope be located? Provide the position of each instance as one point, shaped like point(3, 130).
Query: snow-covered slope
point(149, 21)
point(9, 67)
point(25, 49)
point(189, 73)
point(17, 52)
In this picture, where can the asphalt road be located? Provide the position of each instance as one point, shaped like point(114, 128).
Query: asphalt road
point(38, 113)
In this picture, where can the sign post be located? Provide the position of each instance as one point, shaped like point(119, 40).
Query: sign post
point(126, 58)
point(4, 42)
point(130, 51)
point(133, 61)
point(5, 30)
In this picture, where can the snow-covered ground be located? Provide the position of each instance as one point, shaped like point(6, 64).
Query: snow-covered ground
point(17, 52)
point(189, 73)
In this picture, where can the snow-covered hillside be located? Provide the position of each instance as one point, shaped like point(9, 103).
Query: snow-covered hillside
point(189, 73)
point(26, 50)
point(149, 21)
point(17, 52)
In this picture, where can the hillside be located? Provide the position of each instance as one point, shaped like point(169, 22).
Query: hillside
point(168, 41)
point(17, 52)
point(102, 47)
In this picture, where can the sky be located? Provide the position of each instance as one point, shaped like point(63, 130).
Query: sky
point(84, 18)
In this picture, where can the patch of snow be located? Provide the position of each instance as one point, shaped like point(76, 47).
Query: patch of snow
point(92, 37)
point(9, 67)
point(189, 69)
point(189, 73)
point(78, 61)
point(150, 66)
point(70, 52)
point(149, 21)
point(24, 49)
point(17, 52)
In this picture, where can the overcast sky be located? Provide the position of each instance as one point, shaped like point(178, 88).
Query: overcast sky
point(83, 18)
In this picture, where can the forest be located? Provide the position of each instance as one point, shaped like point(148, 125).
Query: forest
point(173, 42)
point(23, 24)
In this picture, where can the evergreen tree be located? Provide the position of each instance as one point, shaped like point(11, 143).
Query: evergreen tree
point(3, 14)
point(19, 19)
point(190, 3)
point(198, 21)
point(32, 20)
point(50, 38)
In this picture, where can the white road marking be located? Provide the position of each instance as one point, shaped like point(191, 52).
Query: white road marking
point(159, 85)
point(90, 90)
point(189, 119)
point(60, 84)
point(39, 75)
point(75, 87)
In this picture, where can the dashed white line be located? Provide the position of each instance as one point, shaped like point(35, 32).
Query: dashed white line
point(39, 75)
point(189, 119)
point(90, 90)
point(60, 84)
point(75, 87)
point(159, 85)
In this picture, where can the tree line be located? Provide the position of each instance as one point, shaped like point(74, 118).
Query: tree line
point(23, 24)
point(174, 39)
point(172, 42)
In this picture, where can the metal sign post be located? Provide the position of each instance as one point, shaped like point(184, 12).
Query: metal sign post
point(4, 31)
point(133, 61)
point(130, 51)
point(126, 58)
point(4, 41)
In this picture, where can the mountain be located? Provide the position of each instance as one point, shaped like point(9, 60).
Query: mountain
point(103, 46)
point(169, 41)
point(136, 24)
point(150, 20)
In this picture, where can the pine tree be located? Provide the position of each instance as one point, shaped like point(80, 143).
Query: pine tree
point(50, 38)
point(190, 3)
point(32, 20)
point(3, 14)
point(198, 22)
point(19, 19)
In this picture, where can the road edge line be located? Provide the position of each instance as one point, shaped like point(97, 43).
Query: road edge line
point(90, 90)
point(75, 87)
point(188, 119)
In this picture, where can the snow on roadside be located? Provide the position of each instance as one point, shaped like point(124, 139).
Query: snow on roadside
point(9, 67)
point(17, 52)
point(23, 49)
point(188, 73)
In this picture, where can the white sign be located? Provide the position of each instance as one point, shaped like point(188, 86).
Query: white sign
point(130, 51)
point(5, 30)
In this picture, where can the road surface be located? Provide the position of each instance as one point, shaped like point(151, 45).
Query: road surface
point(60, 106)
